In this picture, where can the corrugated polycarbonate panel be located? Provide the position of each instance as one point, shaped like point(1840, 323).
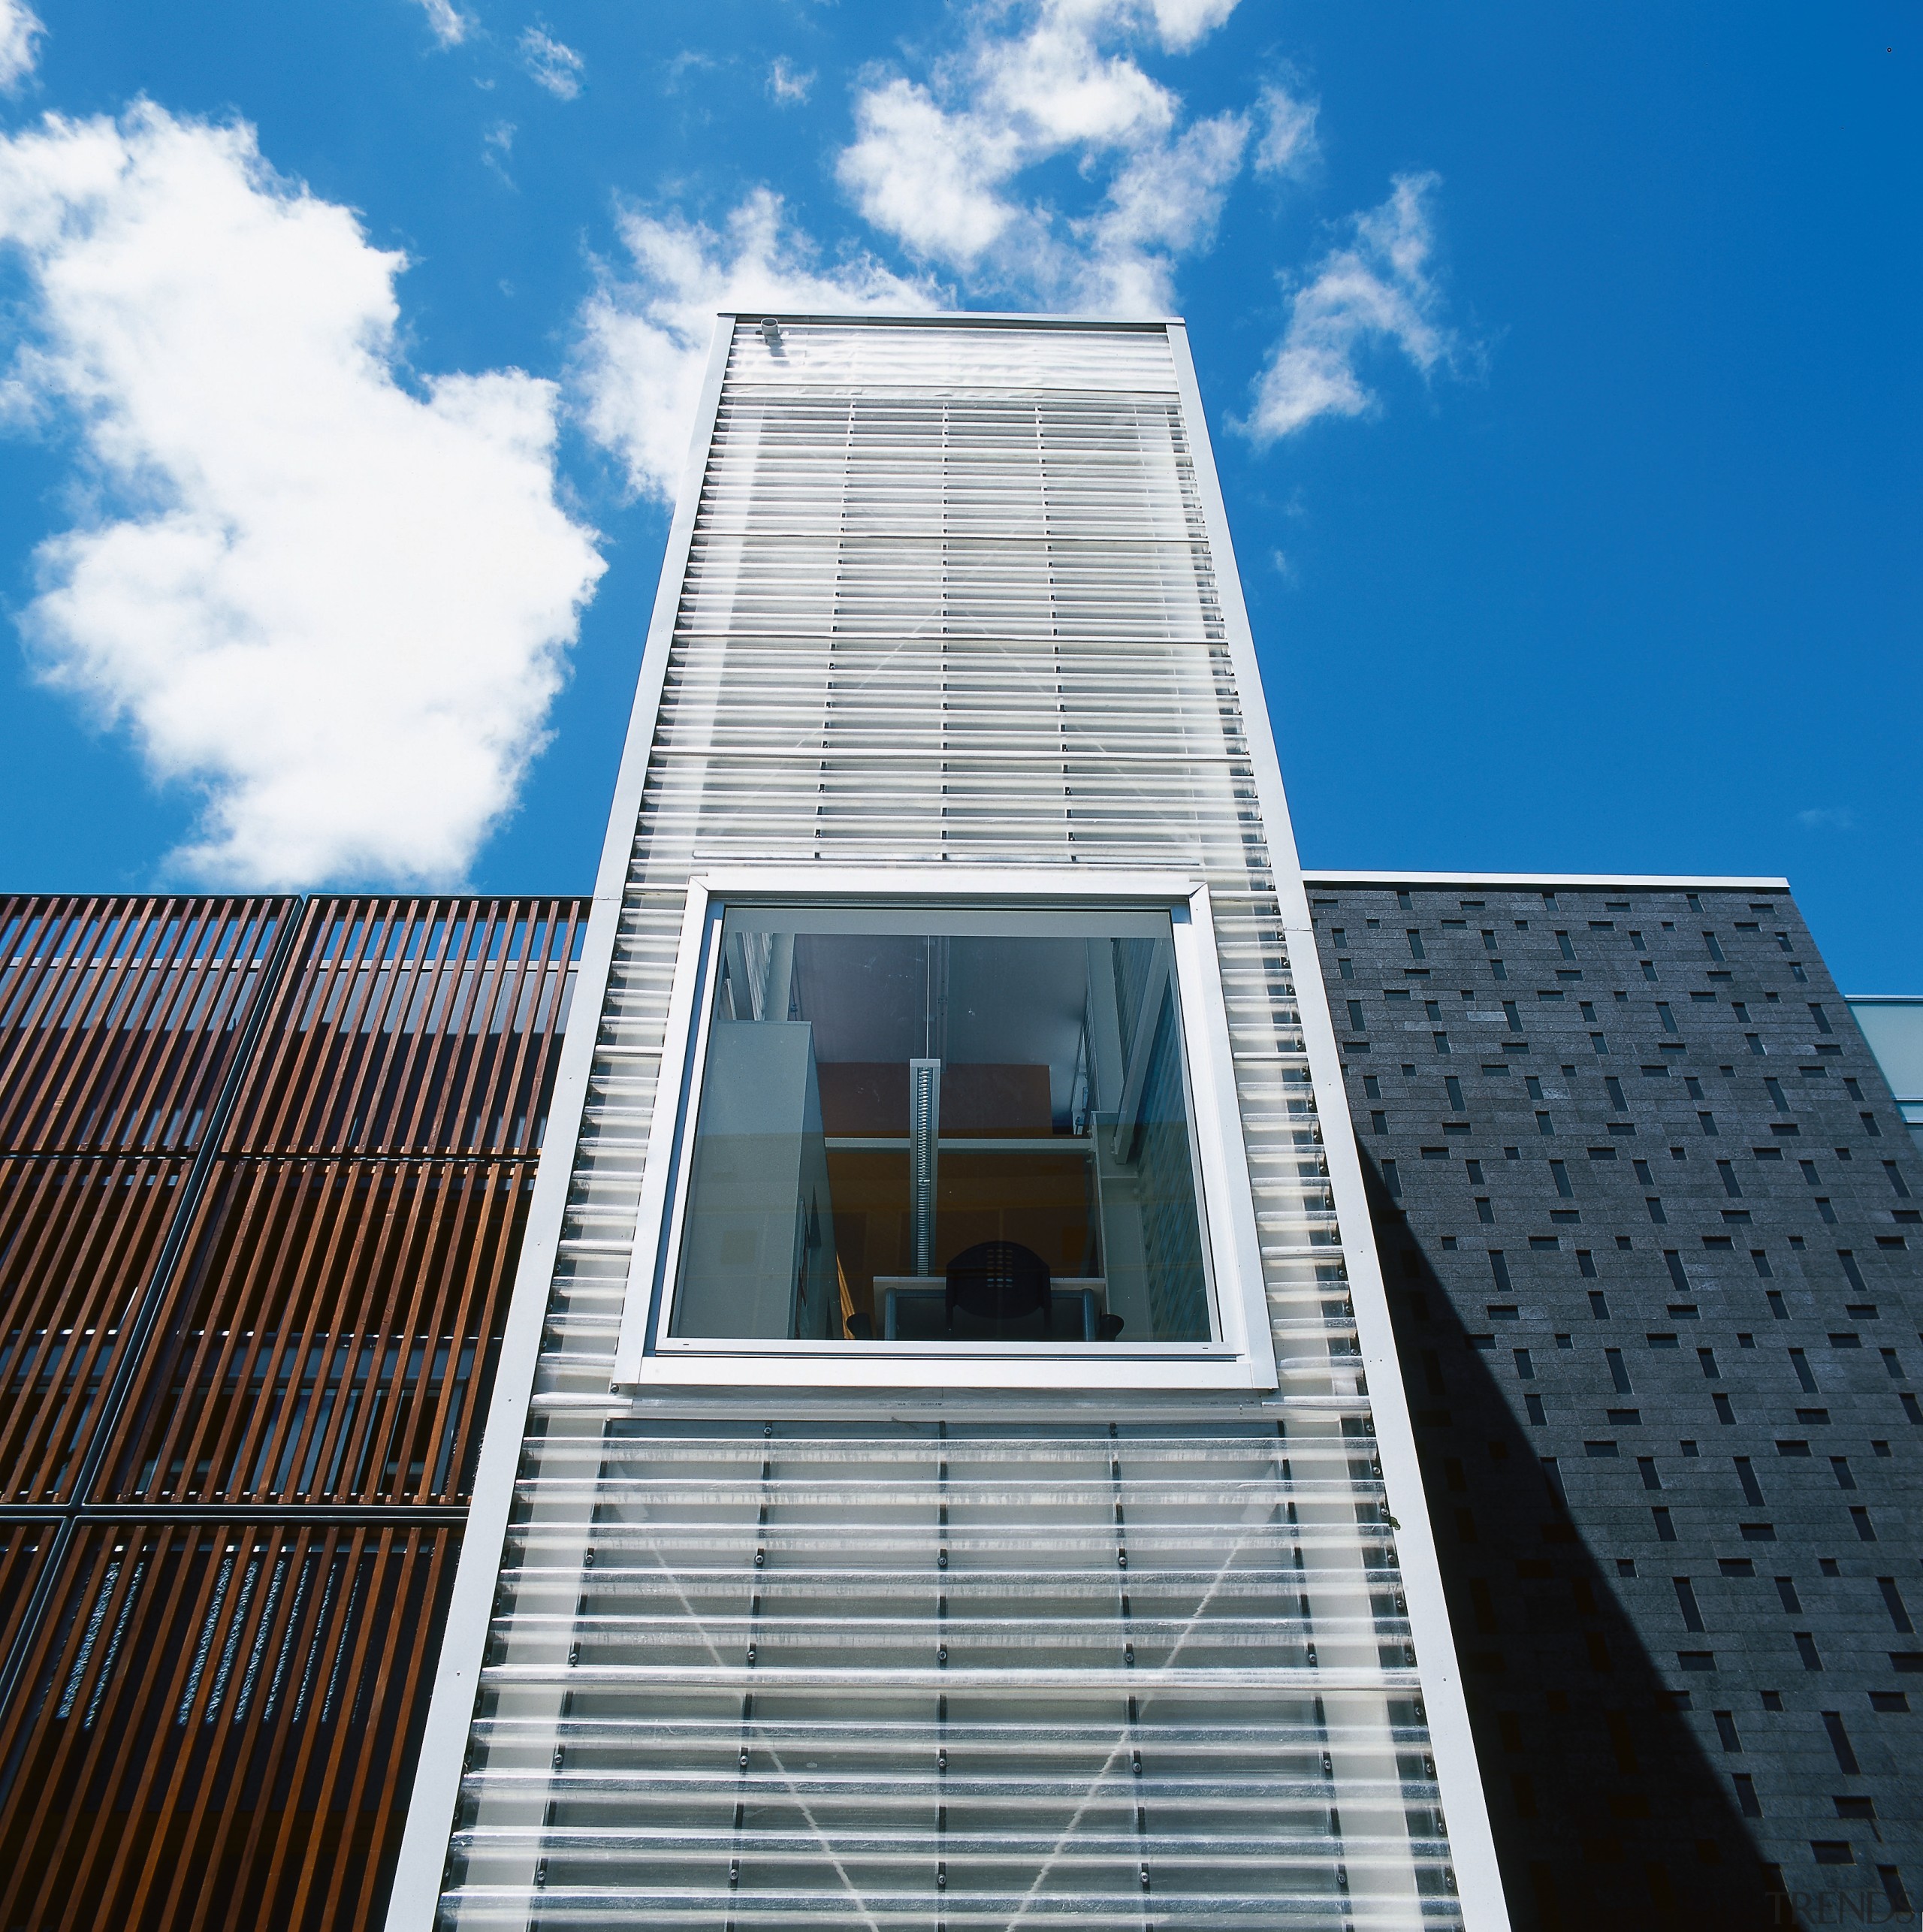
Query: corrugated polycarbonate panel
point(792, 1659)
point(984, 1675)
point(986, 360)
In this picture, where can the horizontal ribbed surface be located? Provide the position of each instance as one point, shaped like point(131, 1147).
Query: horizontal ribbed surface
point(986, 1672)
point(994, 358)
point(1101, 1660)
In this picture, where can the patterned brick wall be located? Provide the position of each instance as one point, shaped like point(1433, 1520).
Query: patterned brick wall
point(1653, 1233)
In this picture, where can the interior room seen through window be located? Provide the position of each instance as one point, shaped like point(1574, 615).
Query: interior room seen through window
point(929, 1125)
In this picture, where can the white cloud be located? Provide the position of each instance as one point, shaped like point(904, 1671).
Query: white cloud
point(448, 24)
point(20, 30)
point(927, 177)
point(1376, 288)
point(1166, 199)
point(1288, 148)
point(1181, 23)
point(555, 67)
point(936, 162)
point(786, 84)
point(689, 60)
point(337, 607)
point(1831, 818)
point(644, 341)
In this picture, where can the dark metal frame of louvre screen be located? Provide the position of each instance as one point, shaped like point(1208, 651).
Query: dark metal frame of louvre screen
point(263, 1167)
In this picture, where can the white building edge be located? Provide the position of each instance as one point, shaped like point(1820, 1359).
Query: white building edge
point(847, 1623)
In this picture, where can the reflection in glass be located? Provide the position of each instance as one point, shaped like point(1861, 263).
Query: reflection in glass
point(894, 1101)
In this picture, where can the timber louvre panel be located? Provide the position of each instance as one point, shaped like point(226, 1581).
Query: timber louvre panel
point(413, 1027)
point(78, 1237)
point(118, 1017)
point(335, 1337)
point(315, 1313)
point(205, 1733)
point(24, 1547)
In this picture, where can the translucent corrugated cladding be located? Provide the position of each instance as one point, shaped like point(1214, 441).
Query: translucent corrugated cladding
point(798, 1658)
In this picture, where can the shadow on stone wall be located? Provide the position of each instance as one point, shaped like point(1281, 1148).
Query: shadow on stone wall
point(1607, 1813)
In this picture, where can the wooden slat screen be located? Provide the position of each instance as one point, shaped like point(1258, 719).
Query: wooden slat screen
point(412, 1026)
point(210, 1722)
point(336, 1338)
point(24, 1547)
point(120, 1016)
point(209, 1727)
point(78, 1241)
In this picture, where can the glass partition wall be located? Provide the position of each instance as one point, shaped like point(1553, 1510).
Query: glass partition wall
point(951, 597)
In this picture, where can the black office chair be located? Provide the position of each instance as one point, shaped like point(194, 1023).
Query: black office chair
point(999, 1281)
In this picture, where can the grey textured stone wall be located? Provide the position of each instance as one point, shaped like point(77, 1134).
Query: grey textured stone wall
point(1652, 1227)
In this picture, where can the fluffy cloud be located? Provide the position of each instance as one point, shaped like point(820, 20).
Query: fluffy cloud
point(1374, 289)
point(556, 67)
point(20, 31)
point(448, 24)
point(937, 163)
point(337, 606)
point(927, 177)
point(644, 339)
point(1166, 199)
point(1181, 23)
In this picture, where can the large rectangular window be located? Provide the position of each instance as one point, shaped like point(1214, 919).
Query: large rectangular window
point(914, 1126)
point(929, 1125)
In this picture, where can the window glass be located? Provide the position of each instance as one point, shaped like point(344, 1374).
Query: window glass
point(931, 1125)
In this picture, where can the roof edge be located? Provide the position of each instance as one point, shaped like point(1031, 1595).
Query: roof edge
point(1317, 875)
point(920, 318)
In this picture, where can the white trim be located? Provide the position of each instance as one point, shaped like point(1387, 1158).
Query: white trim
point(1228, 1193)
point(953, 319)
point(683, 1053)
point(1646, 882)
point(1243, 1358)
point(413, 1904)
point(1459, 1777)
point(971, 884)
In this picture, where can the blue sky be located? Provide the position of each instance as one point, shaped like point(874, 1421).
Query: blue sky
point(1561, 365)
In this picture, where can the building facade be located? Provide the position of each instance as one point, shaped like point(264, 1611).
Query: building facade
point(1652, 1223)
point(1020, 1363)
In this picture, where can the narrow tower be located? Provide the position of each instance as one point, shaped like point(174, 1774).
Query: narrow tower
point(947, 1466)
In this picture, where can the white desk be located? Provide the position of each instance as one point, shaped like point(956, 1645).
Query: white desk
point(923, 1300)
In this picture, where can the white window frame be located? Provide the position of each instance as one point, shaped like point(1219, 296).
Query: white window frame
point(1242, 1355)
